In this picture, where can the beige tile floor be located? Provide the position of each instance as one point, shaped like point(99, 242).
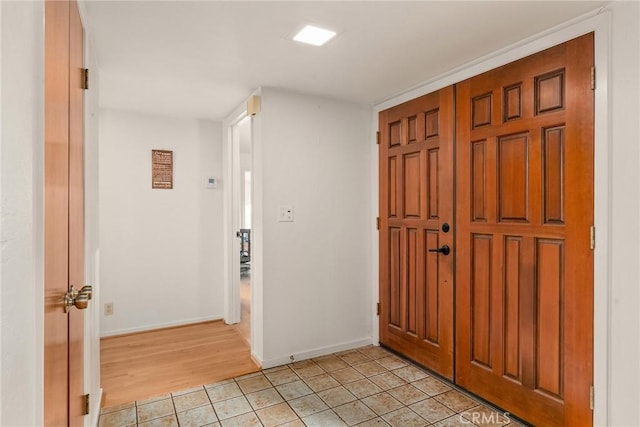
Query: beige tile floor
point(368, 386)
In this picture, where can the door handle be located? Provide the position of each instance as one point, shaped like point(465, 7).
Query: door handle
point(79, 298)
point(87, 290)
point(444, 250)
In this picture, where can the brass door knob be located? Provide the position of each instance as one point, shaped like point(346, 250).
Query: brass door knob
point(81, 301)
point(87, 290)
point(79, 298)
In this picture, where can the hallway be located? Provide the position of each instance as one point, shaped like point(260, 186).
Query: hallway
point(141, 365)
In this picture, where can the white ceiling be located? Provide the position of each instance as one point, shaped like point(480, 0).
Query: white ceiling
point(202, 59)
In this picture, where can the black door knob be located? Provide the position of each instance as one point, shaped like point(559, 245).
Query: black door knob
point(444, 250)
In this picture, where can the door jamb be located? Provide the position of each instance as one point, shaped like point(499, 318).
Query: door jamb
point(231, 211)
point(597, 21)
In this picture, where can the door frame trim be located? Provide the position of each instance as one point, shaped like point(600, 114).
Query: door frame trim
point(231, 199)
point(231, 299)
point(599, 22)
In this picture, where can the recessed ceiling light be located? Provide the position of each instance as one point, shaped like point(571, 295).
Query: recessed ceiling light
point(314, 35)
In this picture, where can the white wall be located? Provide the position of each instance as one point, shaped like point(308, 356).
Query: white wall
point(624, 298)
point(160, 250)
point(21, 224)
point(316, 283)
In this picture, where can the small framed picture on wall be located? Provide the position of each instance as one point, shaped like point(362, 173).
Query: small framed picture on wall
point(162, 169)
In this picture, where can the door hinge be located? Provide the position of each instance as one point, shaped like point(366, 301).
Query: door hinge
point(593, 78)
point(378, 223)
point(591, 398)
point(85, 78)
point(592, 237)
point(86, 403)
point(377, 137)
point(378, 309)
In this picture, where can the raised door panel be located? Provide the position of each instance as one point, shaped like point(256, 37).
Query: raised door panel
point(511, 307)
point(481, 270)
point(513, 181)
point(433, 158)
point(392, 185)
point(412, 283)
point(394, 290)
point(549, 329)
point(553, 175)
point(412, 185)
point(432, 301)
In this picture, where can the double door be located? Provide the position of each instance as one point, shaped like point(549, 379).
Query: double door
point(486, 208)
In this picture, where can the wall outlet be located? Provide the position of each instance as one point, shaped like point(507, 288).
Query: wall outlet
point(108, 309)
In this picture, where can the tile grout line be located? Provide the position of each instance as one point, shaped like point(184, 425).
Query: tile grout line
point(213, 408)
point(175, 410)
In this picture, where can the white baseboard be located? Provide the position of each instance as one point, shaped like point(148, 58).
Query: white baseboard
point(308, 354)
point(256, 359)
point(146, 328)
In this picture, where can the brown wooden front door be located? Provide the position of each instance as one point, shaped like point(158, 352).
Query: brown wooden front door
point(524, 283)
point(64, 213)
point(416, 201)
point(524, 164)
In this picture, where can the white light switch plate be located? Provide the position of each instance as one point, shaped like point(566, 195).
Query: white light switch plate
point(285, 214)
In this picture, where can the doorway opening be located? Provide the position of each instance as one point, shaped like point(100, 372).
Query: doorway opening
point(205, 352)
point(243, 185)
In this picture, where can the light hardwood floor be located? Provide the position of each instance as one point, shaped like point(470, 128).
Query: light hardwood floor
point(147, 364)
